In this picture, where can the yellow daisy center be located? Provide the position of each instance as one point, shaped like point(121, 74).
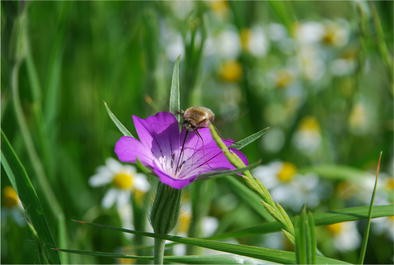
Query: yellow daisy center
point(230, 71)
point(219, 6)
point(390, 184)
point(310, 124)
point(335, 229)
point(123, 181)
point(184, 222)
point(286, 172)
point(245, 36)
point(283, 79)
point(10, 197)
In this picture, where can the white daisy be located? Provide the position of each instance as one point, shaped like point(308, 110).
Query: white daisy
point(254, 41)
point(12, 206)
point(308, 136)
point(123, 180)
point(288, 187)
point(384, 225)
point(345, 236)
point(209, 225)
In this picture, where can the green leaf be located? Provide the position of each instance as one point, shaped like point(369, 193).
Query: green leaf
point(222, 173)
point(250, 139)
point(367, 229)
point(192, 259)
point(20, 181)
point(332, 217)
point(273, 255)
point(305, 238)
point(175, 103)
point(116, 121)
point(336, 172)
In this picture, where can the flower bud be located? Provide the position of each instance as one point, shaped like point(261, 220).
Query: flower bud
point(165, 209)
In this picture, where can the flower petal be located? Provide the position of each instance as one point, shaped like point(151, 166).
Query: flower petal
point(159, 133)
point(174, 183)
point(100, 180)
point(129, 150)
point(109, 198)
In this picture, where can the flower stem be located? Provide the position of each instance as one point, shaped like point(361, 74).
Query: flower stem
point(159, 251)
point(275, 209)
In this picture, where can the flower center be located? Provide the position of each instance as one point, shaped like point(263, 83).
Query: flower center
point(10, 197)
point(286, 172)
point(123, 181)
point(310, 124)
point(335, 229)
point(245, 36)
point(184, 222)
point(230, 71)
point(390, 184)
point(283, 79)
point(219, 6)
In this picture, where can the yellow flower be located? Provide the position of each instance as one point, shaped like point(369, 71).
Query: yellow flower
point(219, 7)
point(287, 172)
point(310, 124)
point(123, 180)
point(230, 71)
point(283, 79)
point(10, 197)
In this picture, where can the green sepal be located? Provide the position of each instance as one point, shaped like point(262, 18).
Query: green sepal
point(165, 209)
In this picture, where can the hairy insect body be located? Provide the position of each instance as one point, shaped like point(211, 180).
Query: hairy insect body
point(197, 117)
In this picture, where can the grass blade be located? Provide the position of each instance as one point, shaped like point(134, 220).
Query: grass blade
point(336, 172)
point(221, 173)
point(116, 121)
point(367, 229)
point(273, 255)
point(27, 194)
point(305, 239)
point(337, 216)
point(175, 103)
point(250, 139)
point(192, 259)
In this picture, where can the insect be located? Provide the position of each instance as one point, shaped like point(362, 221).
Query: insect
point(194, 118)
point(197, 117)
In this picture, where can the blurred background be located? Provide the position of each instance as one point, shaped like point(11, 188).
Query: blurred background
point(318, 73)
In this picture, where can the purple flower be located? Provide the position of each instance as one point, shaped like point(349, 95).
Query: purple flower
point(160, 148)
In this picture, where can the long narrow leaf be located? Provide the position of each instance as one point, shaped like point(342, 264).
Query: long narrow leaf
point(221, 173)
point(175, 103)
point(273, 255)
point(249, 139)
point(367, 229)
point(19, 179)
point(192, 259)
point(332, 217)
point(116, 121)
point(305, 238)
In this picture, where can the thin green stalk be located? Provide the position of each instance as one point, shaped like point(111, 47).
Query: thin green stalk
point(367, 229)
point(270, 205)
point(159, 251)
point(31, 151)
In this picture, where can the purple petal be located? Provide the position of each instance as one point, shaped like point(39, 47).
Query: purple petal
point(129, 149)
point(174, 183)
point(159, 133)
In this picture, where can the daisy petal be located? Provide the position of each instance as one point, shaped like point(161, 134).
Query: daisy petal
point(109, 198)
point(99, 180)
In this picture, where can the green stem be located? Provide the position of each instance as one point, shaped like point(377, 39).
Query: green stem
point(159, 251)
